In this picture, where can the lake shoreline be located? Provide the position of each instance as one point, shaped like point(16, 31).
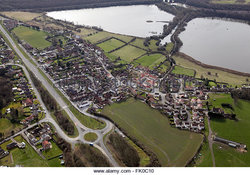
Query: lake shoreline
point(191, 59)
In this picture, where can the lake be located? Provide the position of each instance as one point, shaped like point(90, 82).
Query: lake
point(218, 42)
point(137, 20)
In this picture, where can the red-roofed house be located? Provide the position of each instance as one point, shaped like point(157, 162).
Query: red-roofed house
point(46, 145)
point(28, 102)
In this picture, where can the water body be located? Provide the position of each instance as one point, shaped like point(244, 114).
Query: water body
point(218, 42)
point(137, 20)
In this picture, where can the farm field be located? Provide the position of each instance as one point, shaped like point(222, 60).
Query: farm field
point(223, 76)
point(139, 42)
point(129, 53)
point(169, 46)
point(151, 61)
point(233, 130)
point(173, 147)
point(183, 71)
point(104, 35)
point(21, 16)
point(110, 44)
point(35, 38)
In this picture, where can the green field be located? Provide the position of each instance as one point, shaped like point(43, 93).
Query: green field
point(173, 147)
point(144, 158)
point(128, 53)
point(110, 45)
point(151, 61)
point(104, 35)
point(140, 43)
point(35, 38)
point(53, 152)
point(233, 130)
point(231, 1)
point(91, 136)
point(26, 157)
point(183, 71)
point(6, 127)
point(223, 76)
point(169, 46)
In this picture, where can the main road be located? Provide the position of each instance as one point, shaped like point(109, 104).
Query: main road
point(80, 127)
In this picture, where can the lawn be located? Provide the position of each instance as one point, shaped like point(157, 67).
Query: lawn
point(151, 61)
point(6, 127)
point(53, 152)
point(226, 77)
point(22, 16)
point(91, 136)
point(27, 157)
point(173, 147)
point(128, 53)
point(233, 130)
point(35, 38)
point(183, 71)
point(111, 44)
point(24, 157)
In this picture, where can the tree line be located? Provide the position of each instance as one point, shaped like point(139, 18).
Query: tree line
point(6, 95)
point(48, 5)
point(124, 151)
point(241, 94)
point(52, 106)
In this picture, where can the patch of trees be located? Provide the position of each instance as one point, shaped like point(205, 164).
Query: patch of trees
point(125, 152)
point(67, 151)
point(241, 94)
point(48, 100)
point(215, 115)
point(89, 156)
point(48, 5)
point(227, 105)
point(51, 105)
point(6, 95)
point(64, 122)
point(154, 162)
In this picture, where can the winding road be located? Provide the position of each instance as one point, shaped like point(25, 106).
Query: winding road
point(80, 127)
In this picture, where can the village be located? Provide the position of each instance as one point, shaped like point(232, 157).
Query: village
point(91, 81)
point(84, 74)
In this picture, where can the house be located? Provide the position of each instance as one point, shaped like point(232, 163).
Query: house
point(194, 125)
point(3, 153)
point(28, 102)
point(11, 146)
point(32, 139)
point(201, 126)
point(46, 145)
point(186, 125)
